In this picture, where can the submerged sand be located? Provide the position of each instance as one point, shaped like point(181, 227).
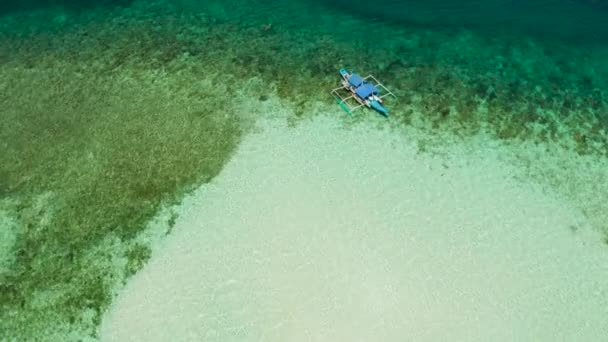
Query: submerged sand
point(322, 233)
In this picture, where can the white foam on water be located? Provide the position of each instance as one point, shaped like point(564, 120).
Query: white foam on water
point(320, 233)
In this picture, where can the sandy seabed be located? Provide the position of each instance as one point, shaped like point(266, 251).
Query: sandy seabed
point(322, 233)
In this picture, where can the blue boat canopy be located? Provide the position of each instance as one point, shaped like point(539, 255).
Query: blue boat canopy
point(366, 90)
point(355, 80)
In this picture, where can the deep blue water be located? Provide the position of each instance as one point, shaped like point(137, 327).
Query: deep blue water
point(9, 6)
point(576, 21)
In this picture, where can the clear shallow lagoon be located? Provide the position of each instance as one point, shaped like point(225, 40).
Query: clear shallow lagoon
point(112, 111)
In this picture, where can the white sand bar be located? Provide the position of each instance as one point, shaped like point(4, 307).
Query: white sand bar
point(319, 233)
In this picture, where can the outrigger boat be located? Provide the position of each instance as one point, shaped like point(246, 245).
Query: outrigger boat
point(362, 91)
